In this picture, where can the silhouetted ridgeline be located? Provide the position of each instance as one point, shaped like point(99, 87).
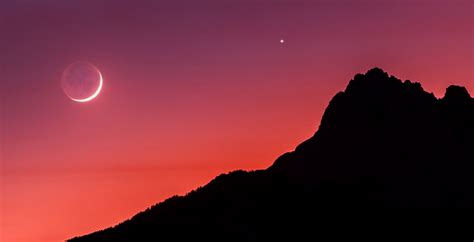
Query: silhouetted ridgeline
point(382, 143)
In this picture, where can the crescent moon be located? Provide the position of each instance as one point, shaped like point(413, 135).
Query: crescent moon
point(93, 95)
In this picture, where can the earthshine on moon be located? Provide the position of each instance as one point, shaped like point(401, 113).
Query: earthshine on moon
point(81, 81)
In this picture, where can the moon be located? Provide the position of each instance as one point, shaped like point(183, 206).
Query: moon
point(81, 81)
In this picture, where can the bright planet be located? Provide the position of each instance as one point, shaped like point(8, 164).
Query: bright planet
point(81, 81)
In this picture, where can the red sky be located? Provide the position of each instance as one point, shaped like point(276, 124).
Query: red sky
point(191, 89)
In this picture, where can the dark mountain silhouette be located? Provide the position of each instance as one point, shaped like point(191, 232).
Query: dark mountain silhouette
point(382, 143)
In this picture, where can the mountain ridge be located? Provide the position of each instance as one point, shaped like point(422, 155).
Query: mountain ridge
point(381, 143)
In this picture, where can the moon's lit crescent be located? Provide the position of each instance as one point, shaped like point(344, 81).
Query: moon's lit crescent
point(93, 95)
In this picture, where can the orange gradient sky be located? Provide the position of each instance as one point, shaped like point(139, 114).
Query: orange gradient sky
point(191, 89)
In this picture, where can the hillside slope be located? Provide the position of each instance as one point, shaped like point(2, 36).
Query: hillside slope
point(382, 143)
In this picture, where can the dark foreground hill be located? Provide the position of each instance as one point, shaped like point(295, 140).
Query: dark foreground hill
point(382, 143)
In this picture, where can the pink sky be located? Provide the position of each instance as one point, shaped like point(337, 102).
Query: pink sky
point(191, 90)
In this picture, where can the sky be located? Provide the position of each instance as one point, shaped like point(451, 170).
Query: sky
point(191, 89)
